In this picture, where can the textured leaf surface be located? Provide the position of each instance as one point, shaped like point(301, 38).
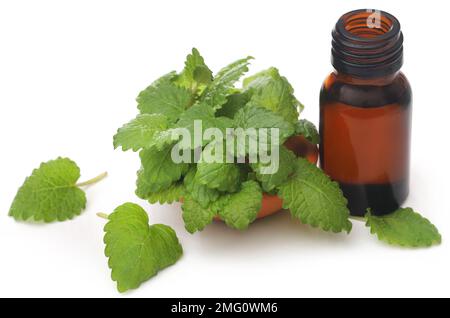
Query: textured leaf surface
point(196, 217)
point(286, 166)
point(313, 198)
point(50, 193)
point(235, 102)
point(164, 97)
point(198, 191)
point(172, 194)
point(405, 228)
point(221, 175)
point(195, 73)
point(272, 91)
point(158, 171)
point(307, 130)
point(216, 93)
point(138, 133)
point(251, 117)
point(204, 114)
point(137, 251)
point(240, 209)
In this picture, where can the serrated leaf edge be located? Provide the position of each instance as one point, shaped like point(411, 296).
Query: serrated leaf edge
point(383, 238)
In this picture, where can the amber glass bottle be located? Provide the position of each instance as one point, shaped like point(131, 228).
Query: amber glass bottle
point(365, 113)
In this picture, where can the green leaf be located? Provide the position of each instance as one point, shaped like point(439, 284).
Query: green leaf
point(164, 97)
point(286, 166)
point(260, 78)
point(172, 194)
point(270, 90)
point(313, 198)
point(240, 209)
point(307, 130)
point(138, 133)
point(221, 176)
point(50, 193)
point(199, 111)
point(404, 227)
point(216, 173)
point(235, 102)
point(136, 250)
point(195, 73)
point(255, 117)
point(196, 217)
point(164, 139)
point(204, 114)
point(198, 191)
point(258, 117)
point(158, 171)
point(216, 93)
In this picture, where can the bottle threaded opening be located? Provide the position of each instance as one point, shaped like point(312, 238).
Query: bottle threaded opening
point(367, 43)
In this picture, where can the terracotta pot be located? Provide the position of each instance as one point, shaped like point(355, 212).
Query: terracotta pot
point(303, 148)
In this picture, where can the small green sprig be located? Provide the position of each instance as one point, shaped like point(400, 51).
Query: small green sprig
point(52, 193)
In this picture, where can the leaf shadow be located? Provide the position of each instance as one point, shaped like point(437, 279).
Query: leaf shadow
point(277, 232)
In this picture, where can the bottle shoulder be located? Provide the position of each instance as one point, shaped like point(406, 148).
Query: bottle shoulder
point(366, 93)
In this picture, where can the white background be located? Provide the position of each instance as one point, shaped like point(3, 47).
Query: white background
point(69, 75)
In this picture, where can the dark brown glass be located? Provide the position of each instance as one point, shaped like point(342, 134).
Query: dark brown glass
point(365, 114)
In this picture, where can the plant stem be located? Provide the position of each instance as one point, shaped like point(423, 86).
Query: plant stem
point(194, 88)
point(94, 180)
point(103, 216)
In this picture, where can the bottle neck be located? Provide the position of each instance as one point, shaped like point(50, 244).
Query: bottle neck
point(373, 81)
point(367, 44)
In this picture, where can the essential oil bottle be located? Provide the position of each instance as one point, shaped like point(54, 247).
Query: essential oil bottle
point(365, 113)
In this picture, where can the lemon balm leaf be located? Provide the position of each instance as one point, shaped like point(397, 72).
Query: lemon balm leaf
point(307, 130)
point(158, 171)
point(216, 94)
point(203, 115)
point(240, 209)
point(404, 227)
point(254, 118)
point(195, 73)
point(195, 216)
point(313, 198)
point(259, 117)
point(164, 97)
point(234, 103)
point(217, 174)
point(139, 132)
point(270, 90)
point(237, 209)
point(199, 192)
point(172, 194)
point(51, 193)
point(136, 250)
point(286, 166)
